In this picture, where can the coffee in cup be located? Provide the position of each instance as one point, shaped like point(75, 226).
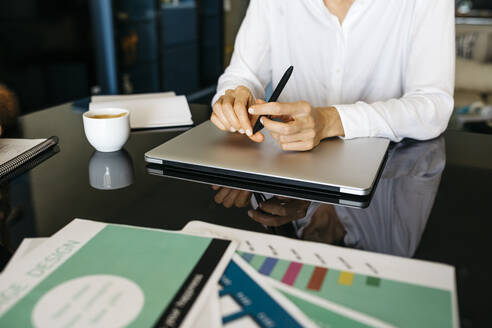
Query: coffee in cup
point(101, 116)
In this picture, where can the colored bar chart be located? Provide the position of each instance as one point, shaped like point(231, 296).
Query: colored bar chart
point(317, 278)
point(346, 278)
point(373, 281)
point(266, 265)
point(353, 290)
point(291, 273)
point(248, 257)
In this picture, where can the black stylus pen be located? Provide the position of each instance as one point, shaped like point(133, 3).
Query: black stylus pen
point(276, 93)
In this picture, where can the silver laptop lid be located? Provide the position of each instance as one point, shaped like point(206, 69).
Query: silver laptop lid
point(349, 166)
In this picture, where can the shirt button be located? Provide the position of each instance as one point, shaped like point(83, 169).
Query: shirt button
point(338, 71)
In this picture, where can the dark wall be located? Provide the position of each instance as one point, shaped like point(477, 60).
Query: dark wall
point(162, 46)
point(482, 4)
point(46, 53)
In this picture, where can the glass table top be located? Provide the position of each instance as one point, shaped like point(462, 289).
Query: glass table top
point(431, 202)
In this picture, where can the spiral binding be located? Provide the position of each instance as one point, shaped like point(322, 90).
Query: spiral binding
point(28, 155)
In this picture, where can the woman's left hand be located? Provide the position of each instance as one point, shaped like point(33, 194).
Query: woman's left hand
point(303, 126)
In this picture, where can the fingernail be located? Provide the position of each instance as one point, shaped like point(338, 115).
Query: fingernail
point(233, 130)
point(250, 213)
point(251, 110)
point(241, 131)
point(261, 120)
point(249, 133)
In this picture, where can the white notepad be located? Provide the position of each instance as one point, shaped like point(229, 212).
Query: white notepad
point(104, 98)
point(149, 110)
point(15, 153)
point(11, 148)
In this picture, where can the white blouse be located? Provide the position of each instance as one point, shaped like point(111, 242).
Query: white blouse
point(388, 69)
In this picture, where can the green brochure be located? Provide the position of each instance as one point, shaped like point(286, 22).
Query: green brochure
point(92, 274)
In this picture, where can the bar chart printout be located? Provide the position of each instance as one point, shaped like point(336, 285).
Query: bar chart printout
point(244, 302)
point(374, 289)
point(354, 290)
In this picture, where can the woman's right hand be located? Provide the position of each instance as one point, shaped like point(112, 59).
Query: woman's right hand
point(230, 113)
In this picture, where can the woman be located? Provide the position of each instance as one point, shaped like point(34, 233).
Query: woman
point(363, 68)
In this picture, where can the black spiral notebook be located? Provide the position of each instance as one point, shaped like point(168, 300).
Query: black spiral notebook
point(18, 153)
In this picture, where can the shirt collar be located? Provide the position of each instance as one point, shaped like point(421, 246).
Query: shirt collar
point(355, 11)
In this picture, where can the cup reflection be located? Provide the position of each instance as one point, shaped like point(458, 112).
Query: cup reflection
point(110, 171)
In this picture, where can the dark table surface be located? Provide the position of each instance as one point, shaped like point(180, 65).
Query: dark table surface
point(433, 201)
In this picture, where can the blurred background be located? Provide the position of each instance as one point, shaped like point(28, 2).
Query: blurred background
point(54, 51)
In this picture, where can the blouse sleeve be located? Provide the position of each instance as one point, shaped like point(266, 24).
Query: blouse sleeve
point(424, 109)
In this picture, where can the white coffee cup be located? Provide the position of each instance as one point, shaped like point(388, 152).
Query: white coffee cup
point(107, 134)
